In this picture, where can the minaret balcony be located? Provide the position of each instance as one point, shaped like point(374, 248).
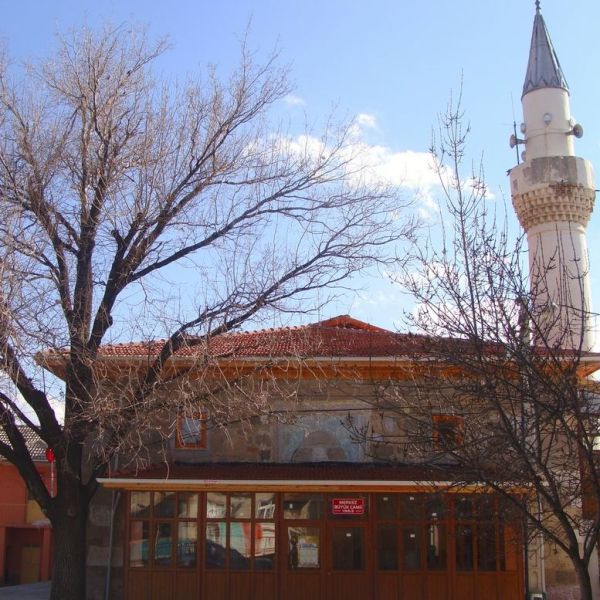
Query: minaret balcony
point(553, 189)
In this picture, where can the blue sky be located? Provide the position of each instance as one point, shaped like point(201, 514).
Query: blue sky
point(394, 62)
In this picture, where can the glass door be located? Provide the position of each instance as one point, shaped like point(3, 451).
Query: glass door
point(302, 539)
point(349, 570)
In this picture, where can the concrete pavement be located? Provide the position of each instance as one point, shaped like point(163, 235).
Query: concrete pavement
point(32, 591)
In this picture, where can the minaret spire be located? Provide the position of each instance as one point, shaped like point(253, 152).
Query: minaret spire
point(553, 194)
point(543, 69)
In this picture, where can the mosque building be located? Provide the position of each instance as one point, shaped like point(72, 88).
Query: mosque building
point(293, 508)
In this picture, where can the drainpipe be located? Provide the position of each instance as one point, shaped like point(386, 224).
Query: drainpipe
point(525, 339)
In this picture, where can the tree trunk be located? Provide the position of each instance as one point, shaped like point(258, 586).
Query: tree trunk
point(69, 520)
point(585, 583)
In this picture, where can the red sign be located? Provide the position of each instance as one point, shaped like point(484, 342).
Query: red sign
point(348, 506)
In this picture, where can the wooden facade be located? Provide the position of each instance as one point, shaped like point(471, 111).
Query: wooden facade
point(334, 545)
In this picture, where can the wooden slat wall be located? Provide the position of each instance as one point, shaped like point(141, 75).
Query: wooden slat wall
point(160, 583)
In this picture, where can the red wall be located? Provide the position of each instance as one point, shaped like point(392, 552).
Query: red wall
point(13, 493)
point(15, 532)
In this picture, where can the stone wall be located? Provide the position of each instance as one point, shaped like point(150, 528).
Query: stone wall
point(98, 552)
point(308, 426)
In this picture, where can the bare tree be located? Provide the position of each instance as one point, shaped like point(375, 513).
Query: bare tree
point(119, 193)
point(495, 397)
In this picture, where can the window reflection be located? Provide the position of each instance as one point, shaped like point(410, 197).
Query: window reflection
point(303, 547)
point(240, 545)
point(216, 505)
point(240, 506)
point(302, 506)
point(187, 543)
point(411, 532)
point(139, 535)
point(264, 546)
point(139, 504)
point(215, 545)
point(187, 505)
point(164, 504)
point(163, 545)
point(264, 505)
point(436, 546)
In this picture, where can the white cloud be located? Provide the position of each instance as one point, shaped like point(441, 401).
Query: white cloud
point(293, 100)
point(366, 120)
point(407, 169)
point(371, 163)
point(478, 186)
point(411, 170)
point(360, 123)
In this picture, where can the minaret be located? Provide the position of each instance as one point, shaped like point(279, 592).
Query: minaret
point(553, 195)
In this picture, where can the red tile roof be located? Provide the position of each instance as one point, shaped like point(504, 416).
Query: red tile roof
point(35, 445)
point(336, 337)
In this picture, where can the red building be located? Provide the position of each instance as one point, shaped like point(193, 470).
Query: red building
point(25, 533)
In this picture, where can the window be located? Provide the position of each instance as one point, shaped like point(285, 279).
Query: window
point(163, 530)
point(302, 506)
point(347, 549)
point(303, 547)
point(484, 540)
point(192, 431)
point(240, 531)
point(304, 536)
point(448, 431)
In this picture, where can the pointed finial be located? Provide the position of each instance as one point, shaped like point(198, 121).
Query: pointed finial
point(543, 68)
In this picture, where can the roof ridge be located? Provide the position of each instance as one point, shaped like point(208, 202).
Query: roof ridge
point(338, 322)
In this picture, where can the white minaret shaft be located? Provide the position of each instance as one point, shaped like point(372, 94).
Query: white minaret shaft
point(553, 195)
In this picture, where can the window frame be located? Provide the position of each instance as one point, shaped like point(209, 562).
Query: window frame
point(447, 431)
point(201, 417)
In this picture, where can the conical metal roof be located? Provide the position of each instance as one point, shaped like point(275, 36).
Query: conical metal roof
point(543, 69)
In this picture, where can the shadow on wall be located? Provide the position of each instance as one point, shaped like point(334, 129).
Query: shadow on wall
point(563, 592)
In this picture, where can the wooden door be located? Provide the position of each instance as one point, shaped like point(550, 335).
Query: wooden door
point(349, 572)
point(302, 568)
point(30, 564)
